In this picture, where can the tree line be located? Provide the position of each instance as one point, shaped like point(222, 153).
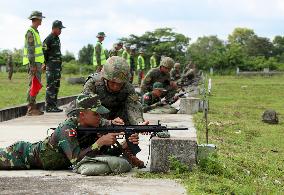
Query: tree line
point(243, 48)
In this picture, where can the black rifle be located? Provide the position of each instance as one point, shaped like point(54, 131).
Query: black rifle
point(128, 130)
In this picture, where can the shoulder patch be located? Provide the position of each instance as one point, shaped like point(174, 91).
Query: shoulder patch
point(72, 133)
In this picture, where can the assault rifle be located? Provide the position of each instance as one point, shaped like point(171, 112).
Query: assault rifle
point(128, 130)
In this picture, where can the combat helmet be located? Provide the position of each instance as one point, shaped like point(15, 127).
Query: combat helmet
point(116, 69)
point(167, 62)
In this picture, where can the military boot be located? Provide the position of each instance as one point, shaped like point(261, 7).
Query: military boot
point(33, 111)
point(132, 159)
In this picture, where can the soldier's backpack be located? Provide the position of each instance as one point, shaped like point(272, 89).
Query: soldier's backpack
point(270, 116)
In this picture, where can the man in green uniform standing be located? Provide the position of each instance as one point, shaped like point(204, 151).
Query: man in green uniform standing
point(65, 146)
point(140, 66)
point(53, 60)
point(100, 55)
point(153, 60)
point(9, 66)
point(33, 57)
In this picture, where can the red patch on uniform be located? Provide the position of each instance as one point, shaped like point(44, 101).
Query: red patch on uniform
point(72, 133)
point(146, 97)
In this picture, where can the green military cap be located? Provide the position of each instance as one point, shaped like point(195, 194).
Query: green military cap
point(141, 51)
point(154, 53)
point(101, 34)
point(159, 85)
point(167, 62)
point(36, 14)
point(57, 24)
point(86, 102)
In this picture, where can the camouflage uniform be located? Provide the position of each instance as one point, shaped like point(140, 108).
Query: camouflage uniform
point(65, 146)
point(175, 74)
point(53, 59)
point(155, 75)
point(124, 103)
point(97, 52)
point(113, 51)
point(33, 58)
point(10, 66)
point(153, 104)
point(31, 54)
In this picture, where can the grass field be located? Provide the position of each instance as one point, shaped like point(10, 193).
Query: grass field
point(250, 156)
point(15, 92)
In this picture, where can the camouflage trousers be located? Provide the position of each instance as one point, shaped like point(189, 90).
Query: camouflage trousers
point(52, 87)
point(32, 99)
point(166, 109)
point(20, 155)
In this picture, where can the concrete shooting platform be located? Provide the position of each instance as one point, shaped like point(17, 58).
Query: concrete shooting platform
point(35, 128)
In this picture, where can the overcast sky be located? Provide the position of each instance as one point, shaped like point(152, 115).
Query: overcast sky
point(119, 18)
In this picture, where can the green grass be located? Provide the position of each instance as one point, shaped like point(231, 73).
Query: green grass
point(250, 155)
point(14, 92)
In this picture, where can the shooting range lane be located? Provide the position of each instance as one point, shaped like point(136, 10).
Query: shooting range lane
point(35, 128)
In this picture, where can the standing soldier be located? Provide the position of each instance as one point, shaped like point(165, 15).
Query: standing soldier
point(99, 57)
point(53, 59)
point(9, 66)
point(175, 72)
point(153, 61)
point(34, 58)
point(140, 66)
point(126, 54)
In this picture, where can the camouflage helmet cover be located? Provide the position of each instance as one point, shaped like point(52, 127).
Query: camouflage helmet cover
point(116, 69)
point(167, 62)
point(86, 102)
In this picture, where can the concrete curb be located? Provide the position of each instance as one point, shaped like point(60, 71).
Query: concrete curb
point(18, 111)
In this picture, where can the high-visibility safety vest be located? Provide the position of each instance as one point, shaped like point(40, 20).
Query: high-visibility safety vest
point(140, 63)
point(153, 62)
point(103, 55)
point(39, 57)
point(126, 56)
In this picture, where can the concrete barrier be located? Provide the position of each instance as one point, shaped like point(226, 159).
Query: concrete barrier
point(18, 111)
point(189, 105)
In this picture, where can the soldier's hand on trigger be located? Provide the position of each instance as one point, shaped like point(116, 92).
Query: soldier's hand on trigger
point(117, 121)
point(134, 138)
point(108, 139)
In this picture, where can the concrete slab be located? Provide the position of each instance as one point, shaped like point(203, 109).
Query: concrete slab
point(33, 129)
